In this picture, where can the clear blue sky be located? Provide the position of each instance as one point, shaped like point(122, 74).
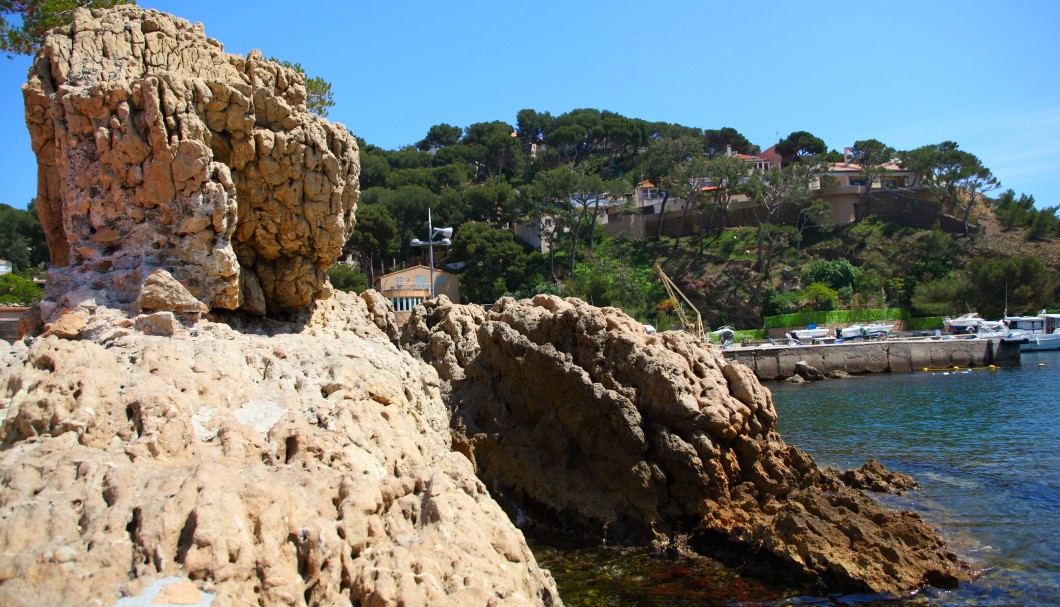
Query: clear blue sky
point(985, 74)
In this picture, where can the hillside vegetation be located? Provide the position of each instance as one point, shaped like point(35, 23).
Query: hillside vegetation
point(483, 178)
point(487, 177)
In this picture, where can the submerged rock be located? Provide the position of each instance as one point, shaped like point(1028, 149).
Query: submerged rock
point(581, 421)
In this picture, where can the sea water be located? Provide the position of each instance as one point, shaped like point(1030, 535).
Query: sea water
point(983, 444)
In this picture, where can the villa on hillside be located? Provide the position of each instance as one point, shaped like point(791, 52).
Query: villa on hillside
point(406, 289)
point(843, 185)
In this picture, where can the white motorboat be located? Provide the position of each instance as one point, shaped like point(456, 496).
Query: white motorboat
point(973, 323)
point(865, 331)
point(1041, 332)
point(809, 333)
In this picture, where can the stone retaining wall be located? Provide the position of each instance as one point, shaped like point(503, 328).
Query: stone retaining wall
point(889, 356)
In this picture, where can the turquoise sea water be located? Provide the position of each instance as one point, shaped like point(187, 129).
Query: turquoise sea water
point(984, 445)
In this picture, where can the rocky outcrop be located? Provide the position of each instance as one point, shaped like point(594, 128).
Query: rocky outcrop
point(283, 463)
point(873, 476)
point(580, 420)
point(148, 449)
point(156, 149)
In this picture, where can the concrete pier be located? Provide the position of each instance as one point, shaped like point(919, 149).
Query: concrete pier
point(770, 362)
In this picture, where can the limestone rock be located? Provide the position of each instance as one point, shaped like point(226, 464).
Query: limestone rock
point(581, 421)
point(873, 476)
point(161, 292)
point(277, 463)
point(156, 149)
point(808, 372)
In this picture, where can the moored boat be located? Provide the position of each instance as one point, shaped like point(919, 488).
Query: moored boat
point(876, 329)
point(810, 332)
point(1041, 332)
point(972, 323)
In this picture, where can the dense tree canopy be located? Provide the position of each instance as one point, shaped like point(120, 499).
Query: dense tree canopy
point(548, 171)
point(798, 145)
point(954, 177)
point(22, 240)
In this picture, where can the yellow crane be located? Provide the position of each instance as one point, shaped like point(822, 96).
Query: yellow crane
point(694, 327)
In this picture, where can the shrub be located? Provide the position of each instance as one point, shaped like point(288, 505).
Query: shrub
point(819, 296)
point(15, 289)
point(837, 273)
point(345, 278)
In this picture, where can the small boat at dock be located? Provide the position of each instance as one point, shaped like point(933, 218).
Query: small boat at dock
point(1041, 332)
point(972, 323)
point(873, 330)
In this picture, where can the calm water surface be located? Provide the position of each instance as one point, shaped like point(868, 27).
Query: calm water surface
point(983, 444)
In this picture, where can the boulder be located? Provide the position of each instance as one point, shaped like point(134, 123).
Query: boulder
point(582, 422)
point(303, 462)
point(156, 149)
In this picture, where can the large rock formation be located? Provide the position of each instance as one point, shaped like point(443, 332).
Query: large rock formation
point(145, 449)
point(156, 149)
point(576, 418)
point(284, 464)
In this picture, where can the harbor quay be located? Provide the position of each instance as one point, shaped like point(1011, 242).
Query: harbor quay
point(776, 362)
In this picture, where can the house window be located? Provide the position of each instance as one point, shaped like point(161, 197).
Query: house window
point(421, 281)
point(399, 281)
point(440, 281)
point(857, 181)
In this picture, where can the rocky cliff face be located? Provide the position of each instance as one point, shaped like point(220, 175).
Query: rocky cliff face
point(156, 149)
point(579, 420)
point(281, 464)
point(270, 463)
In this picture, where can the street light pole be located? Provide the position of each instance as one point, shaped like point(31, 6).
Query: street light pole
point(445, 233)
point(430, 251)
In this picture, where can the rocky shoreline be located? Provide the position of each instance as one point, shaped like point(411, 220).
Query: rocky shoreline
point(192, 401)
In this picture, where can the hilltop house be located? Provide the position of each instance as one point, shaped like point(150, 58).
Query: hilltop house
point(6, 267)
point(406, 289)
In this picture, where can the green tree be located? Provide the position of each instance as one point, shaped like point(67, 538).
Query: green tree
point(799, 145)
point(15, 290)
point(493, 148)
point(374, 237)
point(1013, 212)
point(496, 263)
point(318, 91)
point(345, 278)
point(955, 178)
point(944, 296)
point(819, 297)
point(23, 23)
point(533, 125)
point(835, 273)
point(440, 136)
point(717, 142)
point(1044, 224)
point(724, 174)
point(772, 190)
point(661, 158)
point(1022, 281)
point(551, 208)
point(874, 158)
point(22, 240)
